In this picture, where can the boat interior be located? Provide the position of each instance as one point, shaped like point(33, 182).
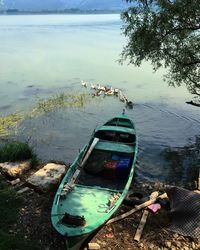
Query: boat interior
point(122, 122)
point(115, 136)
point(106, 169)
point(111, 160)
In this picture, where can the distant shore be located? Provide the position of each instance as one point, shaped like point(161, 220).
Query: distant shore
point(53, 12)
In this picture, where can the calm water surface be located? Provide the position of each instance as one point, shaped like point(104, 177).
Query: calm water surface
point(45, 55)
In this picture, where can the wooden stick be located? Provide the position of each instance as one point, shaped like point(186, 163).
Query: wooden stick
point(137, 208)
point(145, 214)
point(198, 184)
point(140, 228)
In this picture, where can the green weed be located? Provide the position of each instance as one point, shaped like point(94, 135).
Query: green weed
point(17, 151)
point(60, 101)
point(8, 122)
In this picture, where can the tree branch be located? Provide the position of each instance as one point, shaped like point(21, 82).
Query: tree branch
point(192, 28)
point(191, 63)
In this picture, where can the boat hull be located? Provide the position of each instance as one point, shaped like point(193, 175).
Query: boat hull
point(96, 183)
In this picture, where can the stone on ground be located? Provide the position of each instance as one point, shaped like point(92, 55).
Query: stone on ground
point(15, 169)
point(93, 246)
point(47, 177)
point(15, 182)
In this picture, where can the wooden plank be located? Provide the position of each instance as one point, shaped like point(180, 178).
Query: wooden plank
point(140, 228)
point(145, 214)
point(137, 208)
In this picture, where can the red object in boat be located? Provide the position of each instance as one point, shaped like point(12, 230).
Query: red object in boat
point(110, 170)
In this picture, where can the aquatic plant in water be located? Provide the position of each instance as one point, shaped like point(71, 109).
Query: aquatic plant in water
point(63, 100)
point(60, 101)
point(8, 122)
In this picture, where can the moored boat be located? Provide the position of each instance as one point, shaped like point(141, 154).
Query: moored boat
point(97, 182)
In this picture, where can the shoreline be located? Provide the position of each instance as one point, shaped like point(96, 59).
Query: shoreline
point(34, 224)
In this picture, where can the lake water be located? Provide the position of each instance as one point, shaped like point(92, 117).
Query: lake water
point(44, 55)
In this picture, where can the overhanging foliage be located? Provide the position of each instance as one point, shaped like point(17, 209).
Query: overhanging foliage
point(166, 33)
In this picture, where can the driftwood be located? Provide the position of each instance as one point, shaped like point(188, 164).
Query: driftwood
point(137, 208)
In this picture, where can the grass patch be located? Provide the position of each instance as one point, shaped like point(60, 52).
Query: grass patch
point(17, 151)
point(9, 208)
point(8, 122)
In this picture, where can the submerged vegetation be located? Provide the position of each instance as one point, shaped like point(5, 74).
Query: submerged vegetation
point(8, 122)
point(60, 101)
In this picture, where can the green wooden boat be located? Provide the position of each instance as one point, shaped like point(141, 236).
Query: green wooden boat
point(97, 182)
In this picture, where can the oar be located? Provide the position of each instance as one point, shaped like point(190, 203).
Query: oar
point(69, 185)
point(95, 141)
point(77, 172)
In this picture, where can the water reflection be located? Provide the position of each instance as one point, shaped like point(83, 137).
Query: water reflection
point(183, 164)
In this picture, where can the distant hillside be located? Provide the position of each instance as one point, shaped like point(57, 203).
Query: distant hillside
point(38, 5)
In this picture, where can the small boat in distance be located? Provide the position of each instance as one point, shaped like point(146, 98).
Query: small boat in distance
point(97, 182)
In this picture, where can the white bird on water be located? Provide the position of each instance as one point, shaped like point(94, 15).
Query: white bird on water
point(122, 98)
point(93, 86)
point(116, 91)
point(99, 86)
point(110, 91)
point(84, 84)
